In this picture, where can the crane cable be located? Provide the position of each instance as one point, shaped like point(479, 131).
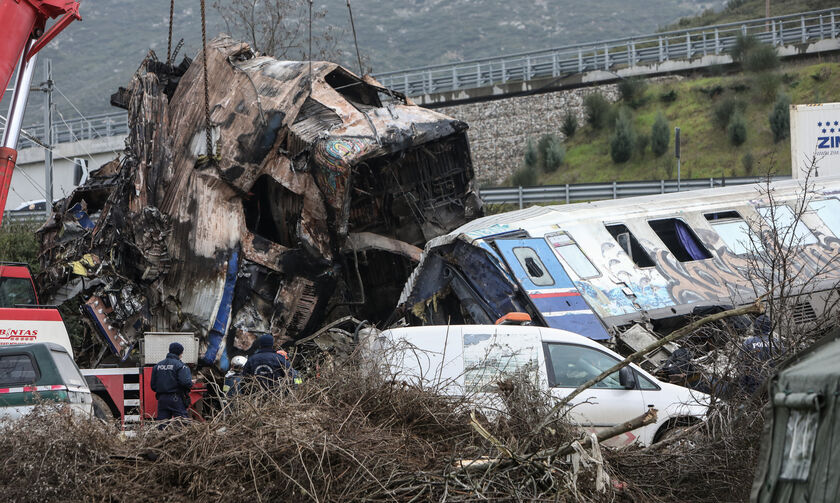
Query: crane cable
point(355, 40)
point(310, 47)
point(209, 157)
point(169, 44)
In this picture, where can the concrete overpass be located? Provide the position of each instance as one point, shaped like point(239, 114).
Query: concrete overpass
point(80, 144)
point(580, 65)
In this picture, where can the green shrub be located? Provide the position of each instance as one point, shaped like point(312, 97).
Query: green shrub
point(712, 91)
point(780, 118)
point(554, 157)
point(632, 91)
point(737, 129)
point(569, 125)
point(531, 154)
point(660, 135)
point(725, 108)
point(766, 85)
point(623, 139)
point(743, 45)
point(18, 243)
point(748, 163)
point(822, 75)
point(525, 176)
point(597, 110)
point(668, 96)
point(761, 58)
point(551, 153)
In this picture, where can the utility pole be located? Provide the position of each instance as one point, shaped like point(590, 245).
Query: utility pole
point(677, 154)
point(48, 139)
point(767, 15)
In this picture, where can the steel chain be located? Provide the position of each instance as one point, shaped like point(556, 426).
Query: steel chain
point(171, 19)
point(207, 132)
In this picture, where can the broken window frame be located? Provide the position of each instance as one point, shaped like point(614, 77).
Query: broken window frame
point(829, 218)
point(631, 240)
point(523, 262)
point(351, 80)
point(802, 234)
point(682, 254)
point(574, 245)
point(738, 247)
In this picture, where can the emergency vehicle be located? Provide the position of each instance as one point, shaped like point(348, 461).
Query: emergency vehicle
point(120, 393)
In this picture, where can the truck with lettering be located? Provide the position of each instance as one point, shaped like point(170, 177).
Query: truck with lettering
point(117, 393)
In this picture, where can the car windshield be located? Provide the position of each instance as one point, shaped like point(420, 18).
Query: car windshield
point(16, 291)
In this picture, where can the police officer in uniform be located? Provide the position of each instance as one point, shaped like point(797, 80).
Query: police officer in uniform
point(171, 382)
point(268, 366)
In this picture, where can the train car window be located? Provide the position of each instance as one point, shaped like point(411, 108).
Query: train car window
point(678, 237)
point(785, 220)
point(829, 212)
point(734, 232)
point(722, 215)
point(530, 261)
point(628, 242)
point(573, 255)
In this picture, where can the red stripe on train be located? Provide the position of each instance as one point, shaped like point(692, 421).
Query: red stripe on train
point(557, 294)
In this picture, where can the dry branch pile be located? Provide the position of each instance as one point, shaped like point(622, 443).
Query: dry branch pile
point(710, 462)
point(344, 436)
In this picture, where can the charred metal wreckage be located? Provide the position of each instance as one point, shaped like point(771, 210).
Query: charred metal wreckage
point(320, 192)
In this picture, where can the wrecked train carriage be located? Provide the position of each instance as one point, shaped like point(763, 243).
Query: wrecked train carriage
point(598, 268)
point(319, 188)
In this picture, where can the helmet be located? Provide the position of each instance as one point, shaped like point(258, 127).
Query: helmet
point(238, 362)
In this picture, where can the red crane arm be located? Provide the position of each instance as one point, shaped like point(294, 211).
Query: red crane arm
point(22, 35)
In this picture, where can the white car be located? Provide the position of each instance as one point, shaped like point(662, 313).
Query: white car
point(469, 359)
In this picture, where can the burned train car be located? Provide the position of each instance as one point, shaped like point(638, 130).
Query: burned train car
point(597, 268)
point(319, 190)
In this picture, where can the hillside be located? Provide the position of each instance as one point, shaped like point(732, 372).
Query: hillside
point(92, 58)
point(740, 10)
point(691, 104)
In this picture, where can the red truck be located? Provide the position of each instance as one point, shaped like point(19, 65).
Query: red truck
point(121, 393)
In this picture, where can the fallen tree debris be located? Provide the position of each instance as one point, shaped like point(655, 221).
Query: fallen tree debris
point(349, 435)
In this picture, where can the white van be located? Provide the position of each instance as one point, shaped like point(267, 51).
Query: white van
point(468, 359)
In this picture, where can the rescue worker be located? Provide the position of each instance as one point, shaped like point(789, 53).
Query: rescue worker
point(234, 376)
point(268, 366)
point(171, 381)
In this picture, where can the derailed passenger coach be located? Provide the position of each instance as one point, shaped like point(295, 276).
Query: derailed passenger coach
point(596, 268)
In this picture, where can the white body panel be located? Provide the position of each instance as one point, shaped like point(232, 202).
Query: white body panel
point(464, 360)
point(80, 410)
point(815, 136)
point(13, 332)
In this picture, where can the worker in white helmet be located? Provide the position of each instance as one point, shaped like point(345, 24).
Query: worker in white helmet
point(233, 377)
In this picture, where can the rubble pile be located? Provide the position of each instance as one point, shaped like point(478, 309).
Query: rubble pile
point(309, 198)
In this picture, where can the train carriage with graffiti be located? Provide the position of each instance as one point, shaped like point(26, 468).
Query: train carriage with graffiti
point(598, 267)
